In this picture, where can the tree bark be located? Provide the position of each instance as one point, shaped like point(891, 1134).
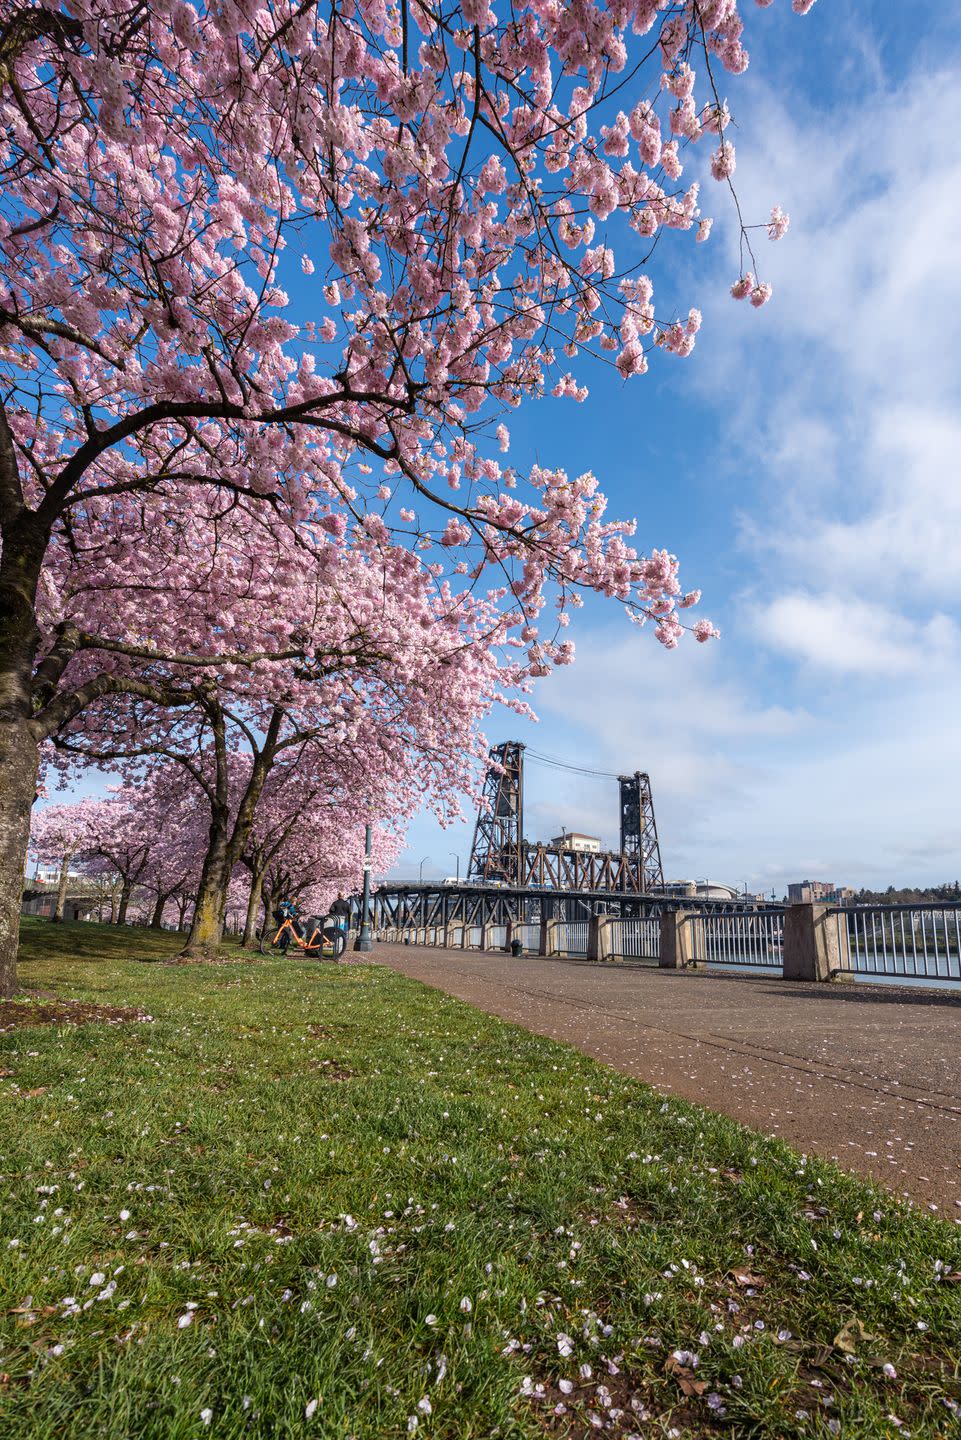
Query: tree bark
point(113, 904)
point(125, 890)
point(157, 918)
point(207, 926)
point(62, 888)
point(24, 544)
point(253, 906)
point(19, 761)
point(182, 911)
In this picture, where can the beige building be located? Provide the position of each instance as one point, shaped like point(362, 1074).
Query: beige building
point(806, 892)
point(574, 840)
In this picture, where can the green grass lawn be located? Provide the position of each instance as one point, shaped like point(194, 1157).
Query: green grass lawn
point(309, 1200)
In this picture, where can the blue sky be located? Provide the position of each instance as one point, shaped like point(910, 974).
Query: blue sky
point(803, 464)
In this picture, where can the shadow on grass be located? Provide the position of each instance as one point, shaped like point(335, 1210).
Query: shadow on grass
point(83, 940)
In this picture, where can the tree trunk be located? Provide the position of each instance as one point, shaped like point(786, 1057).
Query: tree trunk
point(113, 904)
point(157, 918)
point(207, 927)
point(62, 888)
point(182, 911)
point(125, 890)
point(253, 906)
point(19, 760)
point(24, 544)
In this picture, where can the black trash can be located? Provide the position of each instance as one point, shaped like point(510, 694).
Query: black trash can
point(517, 948)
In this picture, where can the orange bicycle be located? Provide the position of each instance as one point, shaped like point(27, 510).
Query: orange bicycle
point(316, 935)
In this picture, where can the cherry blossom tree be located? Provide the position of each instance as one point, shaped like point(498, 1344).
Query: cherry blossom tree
point(378, 705)
point(63, 835)
point(308, 837)
point(431, 178)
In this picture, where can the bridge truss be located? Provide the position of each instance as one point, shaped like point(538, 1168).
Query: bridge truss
point(501, 855)
point(433, 906)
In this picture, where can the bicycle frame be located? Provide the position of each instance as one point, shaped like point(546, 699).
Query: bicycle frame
point(288, 924)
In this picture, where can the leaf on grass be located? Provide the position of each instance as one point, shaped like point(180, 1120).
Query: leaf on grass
point(685, 1377)
point(747, 1277)
point(850, 1336)
point(954, 1278)
point(40, 1090)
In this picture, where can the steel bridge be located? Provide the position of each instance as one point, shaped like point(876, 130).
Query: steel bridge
point(501, 854)
point(514, 880)
point(441, 907)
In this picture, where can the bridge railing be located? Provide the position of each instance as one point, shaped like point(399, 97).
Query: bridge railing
point(572, 937)
point(528, 932)
point(912, 942)
point(636, 939)
point(741, 938)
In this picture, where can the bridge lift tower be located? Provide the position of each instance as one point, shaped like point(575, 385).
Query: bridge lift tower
point(497, 853)
point(501, 855)
point(639, 841)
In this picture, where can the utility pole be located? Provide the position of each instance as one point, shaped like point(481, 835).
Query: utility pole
point(364, 941)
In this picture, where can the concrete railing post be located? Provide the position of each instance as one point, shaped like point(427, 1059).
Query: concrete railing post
point(599, 938)
point(548, 945)
point(682, 941)
point(815, 944)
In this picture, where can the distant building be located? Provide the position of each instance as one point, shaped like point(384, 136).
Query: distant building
point(806, 892)
point(704, 889)
point(574, 840)
point(50, 874)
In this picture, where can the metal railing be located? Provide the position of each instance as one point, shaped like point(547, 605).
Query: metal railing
point(914, 942)
point(638, 939)
point(741, 938)
point(528, 933)
point(572, 937)
point(908, 942)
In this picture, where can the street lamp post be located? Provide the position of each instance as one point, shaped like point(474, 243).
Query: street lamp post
point(364, 941)
point(457, 858)
point(422, 864)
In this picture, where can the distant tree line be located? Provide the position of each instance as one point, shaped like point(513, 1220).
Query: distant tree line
point(906, 895)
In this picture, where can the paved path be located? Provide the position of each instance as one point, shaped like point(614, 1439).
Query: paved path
point(863, 1074)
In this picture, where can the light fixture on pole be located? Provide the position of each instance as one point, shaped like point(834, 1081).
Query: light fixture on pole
point(364, 941)
point(457, 858)
point(422, 864)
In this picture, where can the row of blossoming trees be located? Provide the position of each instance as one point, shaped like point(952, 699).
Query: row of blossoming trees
point(139, 853)
point(271, 274)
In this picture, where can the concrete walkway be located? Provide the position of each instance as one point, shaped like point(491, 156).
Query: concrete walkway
point(867, 1075)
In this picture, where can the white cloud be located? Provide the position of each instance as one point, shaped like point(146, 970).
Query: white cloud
point(852, 636)
point(848, 394)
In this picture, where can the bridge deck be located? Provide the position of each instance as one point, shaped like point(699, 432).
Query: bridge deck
point(861, 1074)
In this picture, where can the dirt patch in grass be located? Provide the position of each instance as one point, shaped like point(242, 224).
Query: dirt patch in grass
point(331, 1070)
point(620, 1406)
point(23, 1014)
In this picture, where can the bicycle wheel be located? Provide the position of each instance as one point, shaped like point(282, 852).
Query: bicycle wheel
point(272, 943)
point(340, 944)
